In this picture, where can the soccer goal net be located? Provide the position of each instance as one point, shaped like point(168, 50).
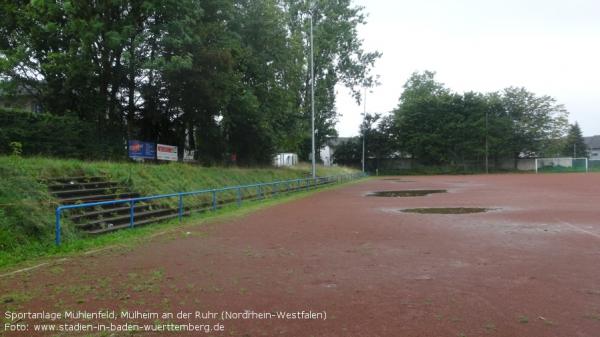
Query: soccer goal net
point(561, 165)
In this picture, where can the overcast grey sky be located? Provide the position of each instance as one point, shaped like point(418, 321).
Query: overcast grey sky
point(550, 47)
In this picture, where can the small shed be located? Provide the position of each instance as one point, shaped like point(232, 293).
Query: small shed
point(285, 159)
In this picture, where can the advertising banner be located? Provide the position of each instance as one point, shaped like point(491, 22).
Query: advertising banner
point(166, 152)
point(141, 150)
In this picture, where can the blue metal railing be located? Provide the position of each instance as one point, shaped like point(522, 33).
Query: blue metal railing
point(276, 186)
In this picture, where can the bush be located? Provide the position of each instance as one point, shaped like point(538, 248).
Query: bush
point(30, 133)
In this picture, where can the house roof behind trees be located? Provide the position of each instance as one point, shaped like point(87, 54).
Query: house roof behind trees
point(592, 142)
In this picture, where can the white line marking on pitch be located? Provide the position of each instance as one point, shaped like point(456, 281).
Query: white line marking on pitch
point(579, 229)
point(65, 259)
point(24, 269)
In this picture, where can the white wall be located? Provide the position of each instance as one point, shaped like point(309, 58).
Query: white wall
point(326, 154)
point(285, 159)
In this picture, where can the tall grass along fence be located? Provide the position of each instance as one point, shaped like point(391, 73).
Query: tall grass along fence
point(212, 197)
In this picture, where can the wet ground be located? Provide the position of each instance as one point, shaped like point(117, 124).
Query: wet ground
point(530, 268)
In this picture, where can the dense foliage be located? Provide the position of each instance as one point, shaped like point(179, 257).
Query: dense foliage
point(437, 126)
point(219, 77)
point(29, 133)
point(574, 144)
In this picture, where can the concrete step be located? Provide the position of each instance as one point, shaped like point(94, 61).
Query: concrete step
point(137, 223)
point(125, 218)
point(108, 210)
point(96, 184)
point(98, 198)
point(87, 191)
point(76, 179)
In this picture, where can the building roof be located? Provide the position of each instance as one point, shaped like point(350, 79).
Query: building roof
point(335, 141)
point(592, 142)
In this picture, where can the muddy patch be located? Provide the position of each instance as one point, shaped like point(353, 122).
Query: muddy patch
point(450, 210)
point(405, 193)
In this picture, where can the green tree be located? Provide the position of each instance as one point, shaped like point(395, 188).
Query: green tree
point(574, 145)
point(535, 121)
point(380, 141)
point(437, 126)
point(338, 58)
point(349, 153)
point(215, 76)
point(270, 68)
point(421, 117)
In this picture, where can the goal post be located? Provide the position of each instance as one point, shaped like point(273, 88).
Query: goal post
point(564, 164)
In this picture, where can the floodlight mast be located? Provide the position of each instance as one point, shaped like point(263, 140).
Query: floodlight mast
point(364, 130)
point(312, 97)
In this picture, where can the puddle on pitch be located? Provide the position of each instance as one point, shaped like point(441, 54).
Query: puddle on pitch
point(446, 210)
point(405, 193)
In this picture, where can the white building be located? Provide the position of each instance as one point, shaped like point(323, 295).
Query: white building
point(593, 144)
point(327, 151)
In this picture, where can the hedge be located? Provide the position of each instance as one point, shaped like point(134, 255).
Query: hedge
point(29, 133)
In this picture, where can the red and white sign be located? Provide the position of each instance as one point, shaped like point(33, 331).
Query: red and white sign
point(166, 152)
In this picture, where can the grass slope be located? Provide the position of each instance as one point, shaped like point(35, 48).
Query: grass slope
point(26, 208)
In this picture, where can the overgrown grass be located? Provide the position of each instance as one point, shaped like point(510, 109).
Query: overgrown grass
point(27, 209)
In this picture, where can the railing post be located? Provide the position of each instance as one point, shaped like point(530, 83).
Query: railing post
point(239, 196)
point(276, 188)
point(131, 213)
point(214, 200)
point(57, 229)
point(260, 193)
point(180, 207)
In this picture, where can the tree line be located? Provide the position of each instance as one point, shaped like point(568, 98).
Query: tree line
point(436, 126)
point(221, 77)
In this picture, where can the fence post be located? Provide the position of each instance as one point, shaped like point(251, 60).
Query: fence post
point(57, 229)
point(180, 207)
point(586, 165)
point(131, 213)
point(214, 200)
